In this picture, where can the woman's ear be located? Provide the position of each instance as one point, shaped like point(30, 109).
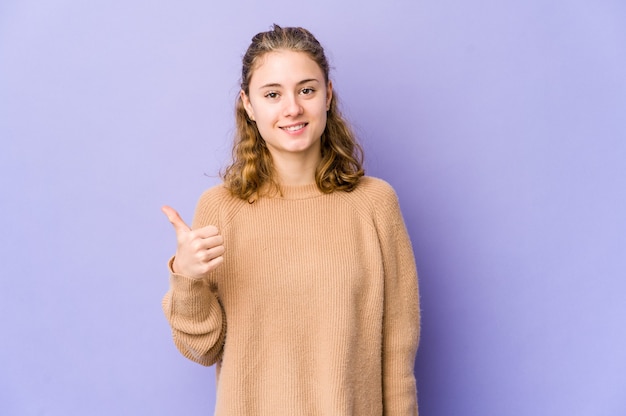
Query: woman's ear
point(246, 104)
point(329, 94)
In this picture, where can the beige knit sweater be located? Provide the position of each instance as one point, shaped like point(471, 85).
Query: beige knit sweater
point(315, 310)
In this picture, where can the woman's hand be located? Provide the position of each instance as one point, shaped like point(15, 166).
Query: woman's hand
point(199, 251)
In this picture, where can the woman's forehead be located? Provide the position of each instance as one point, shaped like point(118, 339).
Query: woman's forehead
point(285, 66)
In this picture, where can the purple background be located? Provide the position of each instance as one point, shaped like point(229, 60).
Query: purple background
point(501, 124)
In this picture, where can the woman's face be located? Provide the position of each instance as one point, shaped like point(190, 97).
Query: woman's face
point(288, 100)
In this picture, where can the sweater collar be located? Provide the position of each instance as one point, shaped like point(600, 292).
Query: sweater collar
point(300, 191)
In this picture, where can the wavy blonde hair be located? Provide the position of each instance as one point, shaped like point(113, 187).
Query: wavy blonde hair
point(252, 171)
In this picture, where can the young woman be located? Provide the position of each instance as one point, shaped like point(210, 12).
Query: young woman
point(297, 276)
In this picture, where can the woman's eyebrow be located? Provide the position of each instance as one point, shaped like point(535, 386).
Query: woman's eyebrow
point(275, 84)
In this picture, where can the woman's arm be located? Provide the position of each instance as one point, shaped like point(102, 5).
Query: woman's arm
point(191, 306)
point(401, 316)
point(196, 317)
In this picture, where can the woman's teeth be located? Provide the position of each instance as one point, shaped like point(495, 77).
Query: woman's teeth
point(294, 128)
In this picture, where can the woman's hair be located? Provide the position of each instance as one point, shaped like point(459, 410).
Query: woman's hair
point(251, 170)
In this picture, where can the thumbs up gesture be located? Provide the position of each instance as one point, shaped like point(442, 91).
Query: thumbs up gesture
point(199, 251)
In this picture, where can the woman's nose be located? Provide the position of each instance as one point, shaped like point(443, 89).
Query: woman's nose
point(292, 106)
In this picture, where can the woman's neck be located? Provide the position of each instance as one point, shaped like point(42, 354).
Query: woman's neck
point(294, 171)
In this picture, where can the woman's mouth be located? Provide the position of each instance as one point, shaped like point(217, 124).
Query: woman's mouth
point(294, 127)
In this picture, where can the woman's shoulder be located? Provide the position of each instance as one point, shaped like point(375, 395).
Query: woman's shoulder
point(217, 204)
point(220, 196)
point(378, 201)
point(375, 190)
point(373, 198)
point(216, 193)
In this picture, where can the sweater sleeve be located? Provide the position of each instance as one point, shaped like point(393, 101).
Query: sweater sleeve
point(401, 314)
point(196, 317)
point(191, 305)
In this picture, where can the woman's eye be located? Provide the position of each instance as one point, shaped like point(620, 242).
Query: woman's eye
point(271, 94)
point(307, 91)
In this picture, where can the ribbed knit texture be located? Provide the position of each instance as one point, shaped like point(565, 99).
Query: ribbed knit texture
point(315, 309)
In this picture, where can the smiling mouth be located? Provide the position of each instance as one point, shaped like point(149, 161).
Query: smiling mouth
point(295, 127)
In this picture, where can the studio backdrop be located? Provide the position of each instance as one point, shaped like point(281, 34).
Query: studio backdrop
point(501, 125)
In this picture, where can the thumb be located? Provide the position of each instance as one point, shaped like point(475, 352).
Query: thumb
point(175, 219)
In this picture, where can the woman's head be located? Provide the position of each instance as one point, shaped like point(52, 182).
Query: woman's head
point(339, 165)
point(294, 39)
